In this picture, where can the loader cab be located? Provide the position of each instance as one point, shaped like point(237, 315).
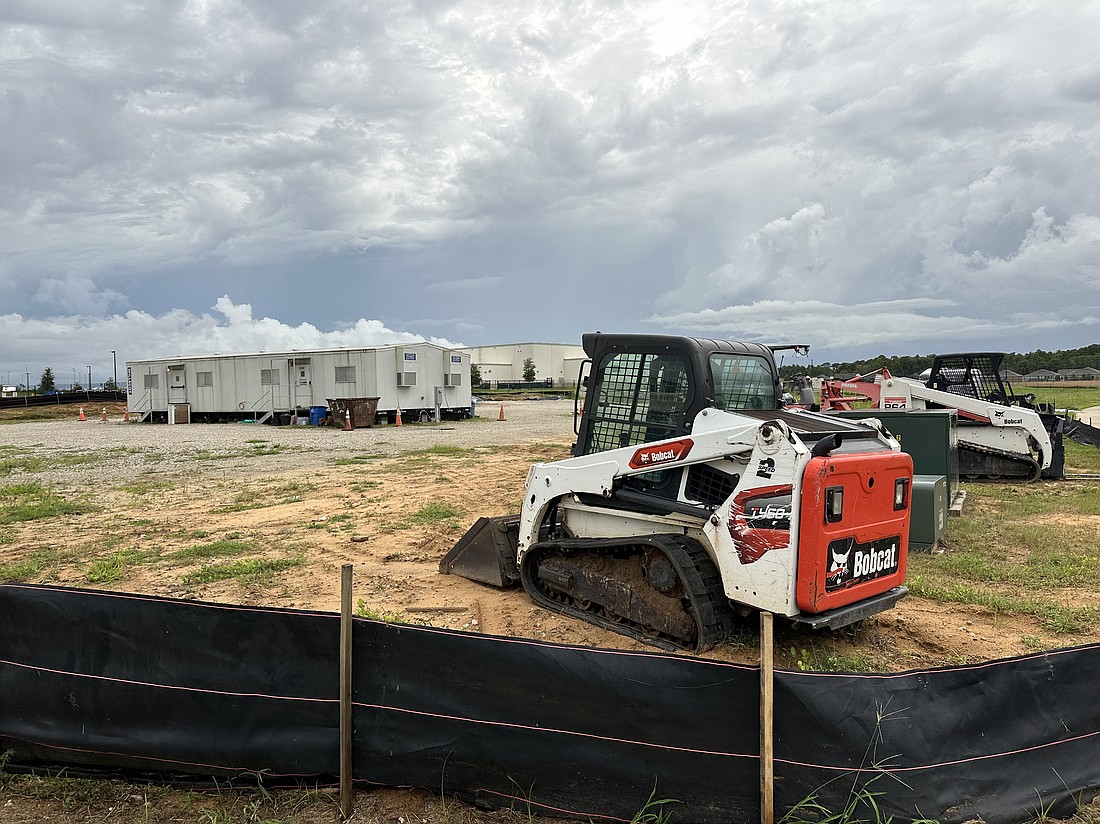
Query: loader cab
point(645, 388)
point(970, 375)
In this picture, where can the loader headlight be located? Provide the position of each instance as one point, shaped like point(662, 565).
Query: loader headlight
point(901, 493)
point(834, 504)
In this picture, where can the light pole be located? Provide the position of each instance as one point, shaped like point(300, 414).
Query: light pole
point(73, 386)
point(27, 385)
point(89, 378)
point(114, 368)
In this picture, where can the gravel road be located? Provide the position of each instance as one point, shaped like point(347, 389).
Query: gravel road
point(139, 449)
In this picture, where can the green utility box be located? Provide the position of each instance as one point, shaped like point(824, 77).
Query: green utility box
point(928, 511)
point(930, 436)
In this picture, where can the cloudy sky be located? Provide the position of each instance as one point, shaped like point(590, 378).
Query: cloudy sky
point(889, 177)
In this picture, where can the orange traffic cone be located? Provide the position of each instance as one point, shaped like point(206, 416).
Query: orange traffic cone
point(81, 414)
point(103, 418)
point(501, 413)
point(398, 421)
point(347, 420)
point(126, 415)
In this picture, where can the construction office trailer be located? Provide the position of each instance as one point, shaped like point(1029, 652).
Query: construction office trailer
point(423, 380)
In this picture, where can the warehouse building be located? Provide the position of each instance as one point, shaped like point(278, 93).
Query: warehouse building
point(556, 364)
point(423, 380)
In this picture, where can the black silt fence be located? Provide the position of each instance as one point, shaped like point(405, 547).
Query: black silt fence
point(133, 682)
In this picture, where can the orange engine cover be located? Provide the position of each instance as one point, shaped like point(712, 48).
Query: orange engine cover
point(861, 550)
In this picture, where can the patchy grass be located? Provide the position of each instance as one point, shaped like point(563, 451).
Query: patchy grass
point(19, 460)
point(146, 486)
point(1052, 616)
point(363, 486)
point(1081, 458)
point(360, 458)
point(434, 513)
point(189, 534)
point(1015, 551)
point(216, 549)
point(31, 502)
point(286, 493)
point(260, 571)
point(114, 567)
point(341, 522)
point(37, 565)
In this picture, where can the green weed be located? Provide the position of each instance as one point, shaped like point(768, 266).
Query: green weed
point(361, 458)
point(30, 502)
point(25, 569)
point(246, 571)
point(820, 658)
point(286, 493)
point(385, 616)
point(21, 463)
point(113, 568)
point(654, 811)
point(434, 513)
point(216, 549)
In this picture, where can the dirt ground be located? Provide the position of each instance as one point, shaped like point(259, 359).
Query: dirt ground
point(152, 516)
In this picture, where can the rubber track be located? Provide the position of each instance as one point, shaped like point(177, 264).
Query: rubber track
point(694, 567)
point(1012, 463)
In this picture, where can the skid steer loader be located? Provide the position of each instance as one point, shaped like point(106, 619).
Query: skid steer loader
point(1002, 436)
point(692, 495)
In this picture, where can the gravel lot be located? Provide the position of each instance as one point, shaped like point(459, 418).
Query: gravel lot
point(142, 448)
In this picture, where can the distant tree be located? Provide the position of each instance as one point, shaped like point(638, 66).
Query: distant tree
point(110, 385)
point(77, 387)
point(529, 369)
point(475, 375)
point(46, 382)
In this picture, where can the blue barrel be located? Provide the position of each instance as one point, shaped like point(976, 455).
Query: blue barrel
point(317, 414)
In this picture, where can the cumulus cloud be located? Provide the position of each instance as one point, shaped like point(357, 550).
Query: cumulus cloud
point(76, 294)
point(913, 326)
point(499, 171)
point(71, 343)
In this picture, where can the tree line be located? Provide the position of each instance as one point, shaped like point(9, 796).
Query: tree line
point(48, 383)
point(912, 365)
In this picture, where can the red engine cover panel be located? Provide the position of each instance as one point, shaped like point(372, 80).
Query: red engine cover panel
point(866, 551)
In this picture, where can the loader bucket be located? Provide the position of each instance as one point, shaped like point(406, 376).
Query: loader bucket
point(1083, 433)
point(486, 553)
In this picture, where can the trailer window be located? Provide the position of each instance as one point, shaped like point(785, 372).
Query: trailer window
point(204, 379)
point(269, 377)
point(152, 381)
point(742, 382)
point(345, 374)
point(640, 398)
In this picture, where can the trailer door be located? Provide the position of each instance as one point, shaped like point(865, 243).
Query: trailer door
point(303, 383)
point(177, 385)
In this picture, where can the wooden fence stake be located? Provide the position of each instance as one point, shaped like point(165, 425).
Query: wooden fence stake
point(767, 742)
point(346, 788)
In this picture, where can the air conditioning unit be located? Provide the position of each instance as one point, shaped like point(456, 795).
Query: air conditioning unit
point(406, 379)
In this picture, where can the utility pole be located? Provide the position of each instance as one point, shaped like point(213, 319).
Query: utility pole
point(114, 368)
point(89, 378)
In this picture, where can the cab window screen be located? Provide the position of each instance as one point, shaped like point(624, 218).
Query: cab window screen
point(742, 382)
point(640, 398)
